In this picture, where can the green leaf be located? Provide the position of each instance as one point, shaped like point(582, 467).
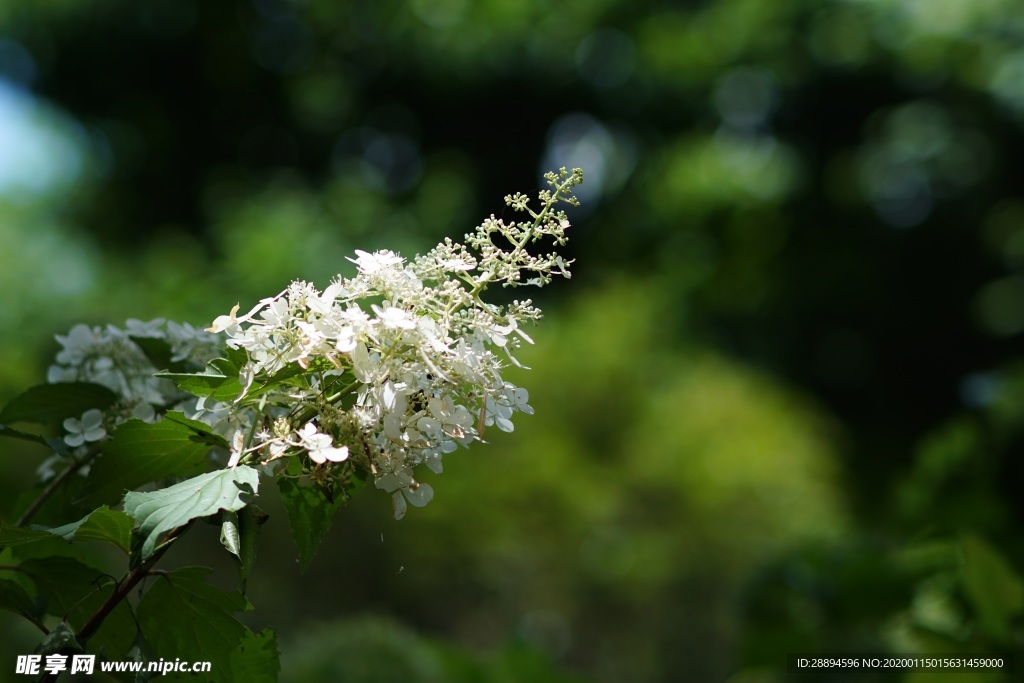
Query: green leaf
point(250, 519)
point(238, 357)
point(229, 535)
point(65, 581)
point(310, 514)
point(994, 589)
point(53, 403)
point(219, 386)
point(221, 379)
point(159, 353)
point(239, 533)
point(293, 369)
point(25, 436)
point(14, 599)
point(60, 639)
point(160, 511)
point(103, 525)
point(141, 453)
point(255, 660)
point(182, 616)
point(200, 430)
point(75, 591)
point(13, 535)
point(142, 652)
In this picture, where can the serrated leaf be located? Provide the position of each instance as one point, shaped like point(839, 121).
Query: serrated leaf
point(256, 659)
point(310, 515)
point(182, 616)
point(102, 525)
point(141, 453)
point(75, 591)
point(160, 511)
point(229, 536)
point(53, 403)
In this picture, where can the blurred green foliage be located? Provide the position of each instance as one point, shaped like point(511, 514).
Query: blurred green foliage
point(779, 405)
point(377, 650)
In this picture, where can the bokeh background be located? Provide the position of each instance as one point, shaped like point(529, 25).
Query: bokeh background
point(779, 405)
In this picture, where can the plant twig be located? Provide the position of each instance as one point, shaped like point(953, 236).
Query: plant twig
point(54, 484)
point(121, 592)
point(126, 586)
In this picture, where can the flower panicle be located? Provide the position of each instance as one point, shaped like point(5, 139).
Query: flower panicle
point(384, 370)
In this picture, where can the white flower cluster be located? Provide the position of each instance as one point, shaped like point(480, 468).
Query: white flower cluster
point(401, 363)
point(114, 358)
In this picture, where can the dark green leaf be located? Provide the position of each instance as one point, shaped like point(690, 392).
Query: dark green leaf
point(141, 453)
point(160, 511)
point(60, 639)
point(75, 591)
point(310, 515)
point(13, 535)
point(14, 598)
point(103, 525)
point(66, 581)
point(250, 519)
point(182, 616)
point(24, 436)
point(53, 403)
point(255, 660)
point(201, 431)
point(142, 651)
point(159, 353)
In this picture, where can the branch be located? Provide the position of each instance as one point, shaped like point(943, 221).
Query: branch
point(121, 592)
point(126, 586)
point(51, 488)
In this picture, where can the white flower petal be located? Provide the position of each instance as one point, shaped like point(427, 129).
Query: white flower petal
point(398, 505)
point(92, 419)
point(95, 434)
point(419, 494)
point(336, 454)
